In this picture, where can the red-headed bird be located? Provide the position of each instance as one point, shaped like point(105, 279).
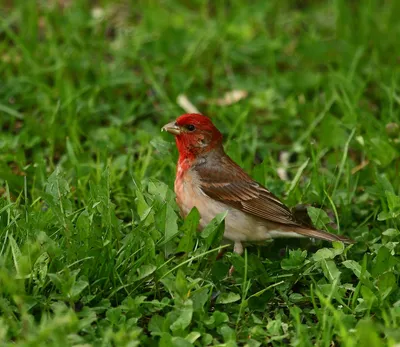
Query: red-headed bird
point(212, 182)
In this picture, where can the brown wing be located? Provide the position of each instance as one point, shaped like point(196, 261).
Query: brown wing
point(229, 184)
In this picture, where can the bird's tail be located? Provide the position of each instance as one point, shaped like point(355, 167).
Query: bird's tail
point(323, 235)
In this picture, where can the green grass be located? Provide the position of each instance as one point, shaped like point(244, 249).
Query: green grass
point(92, 249)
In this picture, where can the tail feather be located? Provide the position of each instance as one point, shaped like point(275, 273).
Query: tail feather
point(323, 235)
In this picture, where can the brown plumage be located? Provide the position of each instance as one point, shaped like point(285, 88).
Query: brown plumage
point(229, 184)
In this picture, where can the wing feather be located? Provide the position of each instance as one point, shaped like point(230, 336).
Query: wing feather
point(229, 184)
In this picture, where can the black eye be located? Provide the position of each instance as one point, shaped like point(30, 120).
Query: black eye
point(190, 127)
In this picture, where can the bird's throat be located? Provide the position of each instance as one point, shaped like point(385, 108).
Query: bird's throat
point(185, 162)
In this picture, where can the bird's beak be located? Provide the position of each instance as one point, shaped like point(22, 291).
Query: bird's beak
point(171, 128)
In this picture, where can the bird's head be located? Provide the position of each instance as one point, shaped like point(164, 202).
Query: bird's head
point(195, 134)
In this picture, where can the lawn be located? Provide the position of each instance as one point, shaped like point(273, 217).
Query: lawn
point(92, 249)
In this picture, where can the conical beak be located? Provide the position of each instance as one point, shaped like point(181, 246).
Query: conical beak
point(171, 128)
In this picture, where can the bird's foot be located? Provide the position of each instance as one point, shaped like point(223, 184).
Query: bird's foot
point(231, 270)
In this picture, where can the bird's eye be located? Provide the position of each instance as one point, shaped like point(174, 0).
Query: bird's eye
point(190, 127)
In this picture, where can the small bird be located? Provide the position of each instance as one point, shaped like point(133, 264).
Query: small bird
point(208, 179)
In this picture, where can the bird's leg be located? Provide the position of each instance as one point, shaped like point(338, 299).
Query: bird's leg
point(238, 249)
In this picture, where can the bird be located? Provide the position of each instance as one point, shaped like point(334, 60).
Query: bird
point(208, 179)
